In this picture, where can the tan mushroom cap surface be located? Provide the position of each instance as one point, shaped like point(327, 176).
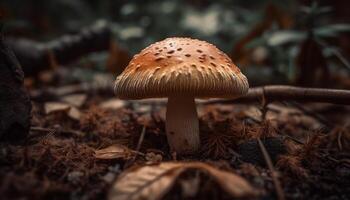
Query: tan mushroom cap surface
point(181, 66)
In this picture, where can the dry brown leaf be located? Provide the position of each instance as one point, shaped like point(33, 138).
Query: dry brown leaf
point(74, 113)
point(113, 104)
point(71, 111)
point(75, 99)
point(115, 151)
point(51, 107)
point(153, 182)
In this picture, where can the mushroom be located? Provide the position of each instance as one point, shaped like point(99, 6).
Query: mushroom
point(181, 69)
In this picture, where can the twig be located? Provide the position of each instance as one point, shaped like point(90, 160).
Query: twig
point(142, 136)
point(264, 104)
point(138, 153)
point(50, 130)
point(138, 147)
point(284, 92)
point(284, 136)
point(340, 134)
point(276, 182)
point(337, 54)
point(291, 138)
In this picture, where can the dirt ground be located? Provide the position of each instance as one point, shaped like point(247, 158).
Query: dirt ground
point(57, 161)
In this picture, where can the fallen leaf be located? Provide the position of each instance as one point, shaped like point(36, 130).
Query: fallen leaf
point(113, 104)
point(74, 113)
point(153, 182)
point(115, 151)
point(51, 107)
point(75, 99)
point(71, 111)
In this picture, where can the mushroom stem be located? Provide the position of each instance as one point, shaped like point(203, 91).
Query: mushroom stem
point(182, 125)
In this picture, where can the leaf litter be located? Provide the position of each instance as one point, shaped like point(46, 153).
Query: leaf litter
point(56, 163)
point(152, 182)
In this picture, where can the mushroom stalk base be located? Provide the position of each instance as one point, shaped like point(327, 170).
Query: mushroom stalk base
point(182, 125)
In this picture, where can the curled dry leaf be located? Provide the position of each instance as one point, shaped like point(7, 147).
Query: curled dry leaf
point(116, 151)
point(153, 182)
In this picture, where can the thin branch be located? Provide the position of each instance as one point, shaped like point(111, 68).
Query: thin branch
point(138, 147)
point(291, 138)
point(142, 136)
point(276, 182)
point(52, 130)
point(289, 93)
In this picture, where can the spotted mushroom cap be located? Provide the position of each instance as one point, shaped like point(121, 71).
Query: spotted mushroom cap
point(181, 66)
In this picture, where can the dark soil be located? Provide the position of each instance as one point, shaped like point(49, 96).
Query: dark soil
point(58, 161)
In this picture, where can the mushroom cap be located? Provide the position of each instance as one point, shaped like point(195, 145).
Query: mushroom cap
point(181, 66)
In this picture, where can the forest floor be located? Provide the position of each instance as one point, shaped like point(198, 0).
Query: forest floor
point(62, 158)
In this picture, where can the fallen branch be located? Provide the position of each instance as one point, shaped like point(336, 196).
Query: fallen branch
point(36, 57)
point(285, 93)
point(272, 93)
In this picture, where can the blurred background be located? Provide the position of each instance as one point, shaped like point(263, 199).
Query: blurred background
point(72, 50)
point(300, 42)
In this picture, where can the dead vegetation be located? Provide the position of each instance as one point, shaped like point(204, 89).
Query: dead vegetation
point(82, 158)
point(281, 142)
